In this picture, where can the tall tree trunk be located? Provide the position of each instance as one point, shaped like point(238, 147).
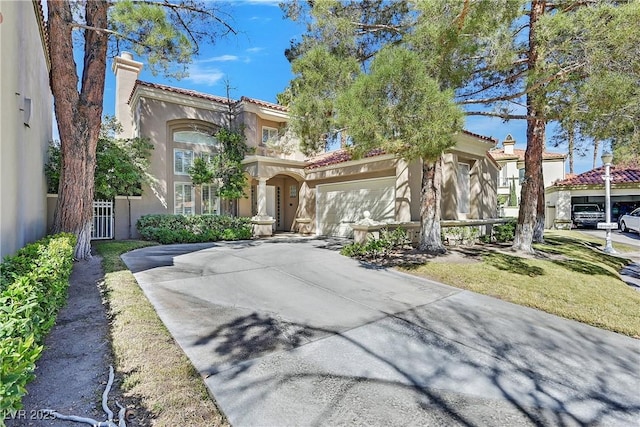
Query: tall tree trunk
point(530, 194)
point(538, 230)
point(596, 147)
point(571, 135)
point(430, 198)
point(78, 116)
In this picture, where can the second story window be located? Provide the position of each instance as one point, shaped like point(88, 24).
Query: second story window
point(269, 134)
point(182, 161)
point(194, 137)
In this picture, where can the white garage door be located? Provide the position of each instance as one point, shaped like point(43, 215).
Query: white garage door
point(338, 205)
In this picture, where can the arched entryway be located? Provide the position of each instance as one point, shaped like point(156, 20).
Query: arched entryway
point(283, 192)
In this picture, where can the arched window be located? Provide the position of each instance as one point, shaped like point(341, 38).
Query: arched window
point(194, 137)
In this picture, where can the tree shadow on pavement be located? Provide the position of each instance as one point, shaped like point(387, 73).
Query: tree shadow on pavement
point(527, 374)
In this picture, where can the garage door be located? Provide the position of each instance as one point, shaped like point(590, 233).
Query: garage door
point(338, 205)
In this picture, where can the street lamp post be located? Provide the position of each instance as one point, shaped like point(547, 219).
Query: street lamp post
point(606, 159)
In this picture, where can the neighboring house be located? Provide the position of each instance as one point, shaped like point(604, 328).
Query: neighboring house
point(511, 161)
point(286, 191)
point(588, 187)
point(25, 124)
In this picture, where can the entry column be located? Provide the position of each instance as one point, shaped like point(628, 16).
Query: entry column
point(262, 223)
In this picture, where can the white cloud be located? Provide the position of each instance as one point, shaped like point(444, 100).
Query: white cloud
point(255, 49)
point(207, 76)
point(261, 2)
point(221, 58)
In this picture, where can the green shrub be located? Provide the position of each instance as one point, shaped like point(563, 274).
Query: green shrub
point(504, 232)
point(381, 247)
point(167, 229)
point(33, 286)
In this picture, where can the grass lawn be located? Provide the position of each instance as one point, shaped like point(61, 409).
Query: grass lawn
point(569, 277)
point(156, 372)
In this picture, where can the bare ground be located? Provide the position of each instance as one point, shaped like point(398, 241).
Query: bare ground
point(74, 368)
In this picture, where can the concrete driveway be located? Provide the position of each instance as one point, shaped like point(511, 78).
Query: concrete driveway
point(289, 332)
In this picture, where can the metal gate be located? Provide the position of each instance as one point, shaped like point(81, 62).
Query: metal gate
point(102, 220)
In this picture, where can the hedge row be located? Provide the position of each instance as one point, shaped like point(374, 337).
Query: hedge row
point(33, 286)
point(167, 229)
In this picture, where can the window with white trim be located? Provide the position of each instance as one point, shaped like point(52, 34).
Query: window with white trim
point(463, 188)
point(183, 199)
point(269, 134)
point(210, 203)
point(182, 161)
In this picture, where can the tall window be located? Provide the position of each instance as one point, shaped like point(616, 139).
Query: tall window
point(463, 188)
point(182, 161)
point(503, 179)
point(521, 175)
point(210, 203)
point(183, 199)
point(268, 133)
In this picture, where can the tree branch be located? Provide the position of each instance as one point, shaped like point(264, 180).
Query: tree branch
point(175, 7)
point(114, 33)
point(505, 116)
point(529, 89)
point(505, 80)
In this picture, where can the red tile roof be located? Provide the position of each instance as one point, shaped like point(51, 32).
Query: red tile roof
point(208, 97)
point(619, 175)
point(264, 104)
point(342, 155)
point(477, 135)
point(338, 156)
point(182, 92)
point(518, 154)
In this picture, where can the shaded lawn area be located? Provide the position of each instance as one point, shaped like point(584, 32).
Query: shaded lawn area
point(569, 277)
point(156, 374)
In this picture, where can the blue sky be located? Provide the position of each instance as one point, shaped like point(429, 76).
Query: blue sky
point(254, 64)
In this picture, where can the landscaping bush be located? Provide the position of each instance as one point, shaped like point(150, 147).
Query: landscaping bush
point(505, 232)
point(167, 229)
point(373, 248)
point(33, 286)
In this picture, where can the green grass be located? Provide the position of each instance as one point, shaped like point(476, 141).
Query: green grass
point(157, 377)
point(568, 278)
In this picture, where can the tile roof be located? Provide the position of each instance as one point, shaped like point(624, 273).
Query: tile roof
point(209, 97)
point(342, 155)
point(264, 103)
point(518, 154)
point(477, 135)
point(338, 156)
point(44, 33)
point(619, 175)
point(183, 92)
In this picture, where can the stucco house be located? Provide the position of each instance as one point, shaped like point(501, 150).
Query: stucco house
point(511, 161)
point(588, 187)
point(286, 191)
point(26, 107)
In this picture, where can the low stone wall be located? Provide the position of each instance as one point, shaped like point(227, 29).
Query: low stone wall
point(363, 232)
point(468, 231)
point(455, 232)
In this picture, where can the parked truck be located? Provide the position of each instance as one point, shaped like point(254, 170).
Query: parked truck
point(587, 215)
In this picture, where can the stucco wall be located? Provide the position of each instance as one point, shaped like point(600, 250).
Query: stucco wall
point(482, 187)
point(23, 147)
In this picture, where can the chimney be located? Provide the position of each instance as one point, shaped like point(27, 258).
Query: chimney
point(126, 71)
point(508, 144)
